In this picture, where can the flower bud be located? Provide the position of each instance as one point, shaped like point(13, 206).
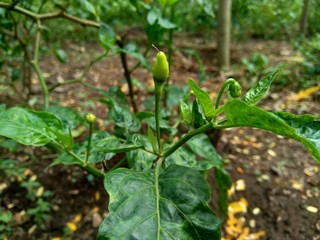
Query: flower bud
point(90, 118)
point(235, 90)
point(160, 68)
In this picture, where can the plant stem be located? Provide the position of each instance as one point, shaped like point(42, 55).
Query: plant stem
point(84, 73)
point(35, 65)
point(89, 142)
point(157, 174)
point(158, 92)
point(127, 75)
point(89, 168)
point(224, 86)
point(43, 16)
point(186, 137)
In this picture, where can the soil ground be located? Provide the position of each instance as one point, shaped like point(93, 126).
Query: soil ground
point(275, 177)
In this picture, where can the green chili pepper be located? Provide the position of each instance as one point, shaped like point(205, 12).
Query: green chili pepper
point(160, 68)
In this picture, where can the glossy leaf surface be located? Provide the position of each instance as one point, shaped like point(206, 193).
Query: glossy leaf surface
point(68, 116)
point(100, 140)
point(140, 159)
point(173, 205)
point(186, 114)
point(257, 92)
point(304, 128)
point(31, 127)
point(203, 98)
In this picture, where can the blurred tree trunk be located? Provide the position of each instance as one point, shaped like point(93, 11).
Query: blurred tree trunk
point(304, 16)
point(224, 19)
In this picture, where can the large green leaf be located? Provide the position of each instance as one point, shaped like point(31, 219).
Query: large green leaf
point(203, 98)
point(68, 116)
point(172, 205)
point(140, 159)
point(124, 119)
point(304, 128)
point(202, 146)
point(31, 127)
point(257, 92)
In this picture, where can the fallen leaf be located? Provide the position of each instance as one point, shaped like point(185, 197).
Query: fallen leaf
point(304, 93)
point(256, 211)
point(240, 185)
point(97, 196)
point(72, 226)
point(312, 209)
point(77, 218)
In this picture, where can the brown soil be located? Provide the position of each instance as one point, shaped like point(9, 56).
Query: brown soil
point(280, 175)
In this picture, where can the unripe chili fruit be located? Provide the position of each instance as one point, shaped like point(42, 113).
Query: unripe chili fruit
point(160, 68)
point(235, 90)
point(90, 118)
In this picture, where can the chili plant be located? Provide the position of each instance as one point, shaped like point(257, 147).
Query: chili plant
point(163, 193)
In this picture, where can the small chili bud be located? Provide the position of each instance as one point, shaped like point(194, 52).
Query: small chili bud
point(235, 90)
point(90, 118)
point(160, 68)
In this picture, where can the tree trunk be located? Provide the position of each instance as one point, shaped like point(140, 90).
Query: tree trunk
point(304, 17)
point(224, 19)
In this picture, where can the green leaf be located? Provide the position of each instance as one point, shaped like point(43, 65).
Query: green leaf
point(124, 118)
point(153, 15)
point(68, 116)
point(304, 128)
point(168, 3)
point(203, 98)
point(197, 115)
point(31, 127)
point(172, 205)
point(132, 50)
point(186, 113)
point(61, 55)
point(202, 146)
point(185, 157)
point(207, 6)
point(166, 23)
point(257, 92)
point(140, 159)
point(10, 144)
point(88, 6)
point(152, 139)
point(223, 183)
point(107, 36)
point(175, 94)
point(100, 140)
point(2, 107)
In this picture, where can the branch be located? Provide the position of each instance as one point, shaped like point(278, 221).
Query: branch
point(85, 71)
point(44, 16)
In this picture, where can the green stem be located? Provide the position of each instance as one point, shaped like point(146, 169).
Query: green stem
point(89, 168)
point(35, 65)
point(224, 86)
point(157, 174)
point(89, 142)
point(158, 93)
point(186, 137)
